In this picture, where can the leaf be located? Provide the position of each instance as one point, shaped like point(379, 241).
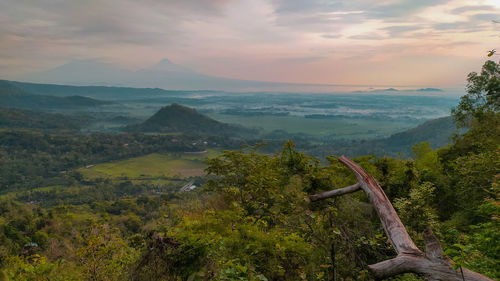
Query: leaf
point(262, 277)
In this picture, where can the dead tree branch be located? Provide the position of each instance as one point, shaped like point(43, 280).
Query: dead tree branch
point(432, 264)
point(335, 192)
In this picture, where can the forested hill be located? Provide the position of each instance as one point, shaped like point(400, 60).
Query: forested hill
point(13, 96)
point(99, 92)
point(177, 118)
point(437, 132)
point(36, 120)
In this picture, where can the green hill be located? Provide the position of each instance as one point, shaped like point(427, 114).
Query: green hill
point(437, 132)
point(35, 120)
point(13, 96)
point(97, 92)
point(176, 118)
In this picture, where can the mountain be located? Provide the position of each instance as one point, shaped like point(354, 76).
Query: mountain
point(437, 132)
point(429, 90)
point(400, 91)
point(82, 72)
point(167, 65)
point(35, 120)
point(176, 118)
point(13, 96)
point(165, 74)
point(97, 92)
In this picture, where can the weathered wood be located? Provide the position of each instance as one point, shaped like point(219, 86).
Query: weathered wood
point(335, 192)
point(391, 223)
point(433, 264)
point(431, 269)
point(433, 248)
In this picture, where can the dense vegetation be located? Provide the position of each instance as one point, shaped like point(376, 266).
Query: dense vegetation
point(176, 118)
point(252, 219)
point(35, 159)
point(97, 92)
point(437, 133)
point(13, 96)
point(11, 118)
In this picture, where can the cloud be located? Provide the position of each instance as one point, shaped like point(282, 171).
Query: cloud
point(282, 40)
point(367, 36)
point(486, 17)
point(472, 8)
point(401, 9)
point(301, 60)
point(401, 30)
point(331, 36)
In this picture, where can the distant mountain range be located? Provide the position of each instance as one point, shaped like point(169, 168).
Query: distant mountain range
point(97, 92)
point(168, 75)
point(165, 74)
point(176, 118)
point(13, 96)
point(393, 90)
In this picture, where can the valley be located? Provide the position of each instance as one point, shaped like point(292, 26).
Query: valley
point(153, 169)
point(317, 117)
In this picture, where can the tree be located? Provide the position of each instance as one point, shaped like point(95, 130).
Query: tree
point(483, 95)
point(104, 255)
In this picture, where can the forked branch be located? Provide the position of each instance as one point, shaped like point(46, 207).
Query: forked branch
point(433, 264)
point(335, 192)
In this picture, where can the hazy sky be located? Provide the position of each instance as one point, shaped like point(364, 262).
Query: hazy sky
point(414, 42)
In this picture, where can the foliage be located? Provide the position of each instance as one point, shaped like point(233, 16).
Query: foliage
point(483, 95)
point(38, 268)
point(103, 254)
point(13, 96)
point(178, 118)
point(415, 210)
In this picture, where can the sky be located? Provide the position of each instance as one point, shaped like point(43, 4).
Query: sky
point(386, 42)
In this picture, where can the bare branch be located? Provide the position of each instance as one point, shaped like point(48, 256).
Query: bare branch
point(433, 248)
point(335, 192)
point(393, 226)
point(433, 265)
point(432, 269)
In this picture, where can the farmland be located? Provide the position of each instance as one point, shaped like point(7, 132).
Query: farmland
point(153, 168)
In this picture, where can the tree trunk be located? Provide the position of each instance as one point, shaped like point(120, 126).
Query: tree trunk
point(432, 264)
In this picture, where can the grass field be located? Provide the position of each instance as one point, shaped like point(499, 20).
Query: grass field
point(338, 128)
point(153, 167)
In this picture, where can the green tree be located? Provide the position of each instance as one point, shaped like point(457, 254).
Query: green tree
point(483, 95)
point(104, 255)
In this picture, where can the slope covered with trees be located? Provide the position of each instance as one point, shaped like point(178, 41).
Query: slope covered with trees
point(13, 96)
point(97, 92)
point(437, 132)
point(27, 119)
point(176, 118)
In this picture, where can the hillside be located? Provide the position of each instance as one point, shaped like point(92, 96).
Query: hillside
point(176, 118)
point(437, 132)
point(13, 96)
point(36, 120)
point(98, 92)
